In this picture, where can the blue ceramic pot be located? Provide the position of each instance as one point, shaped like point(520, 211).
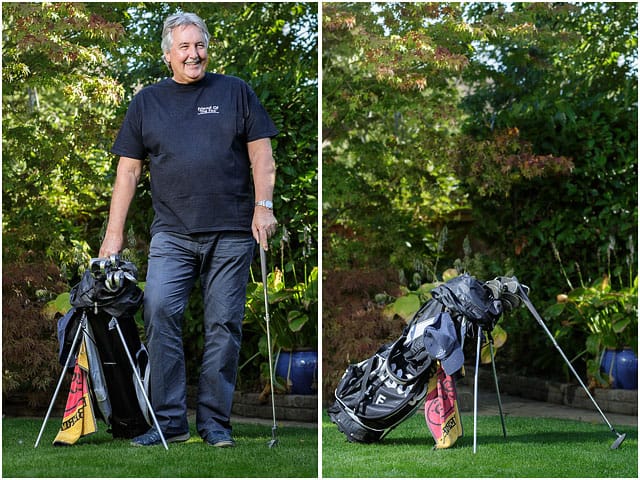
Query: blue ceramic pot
point(300, 368)
point(622, 366)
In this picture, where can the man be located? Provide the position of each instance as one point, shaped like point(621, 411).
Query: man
point(205, 135)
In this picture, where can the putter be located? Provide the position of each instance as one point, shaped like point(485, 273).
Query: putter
point(263, 264)
point(619, 436)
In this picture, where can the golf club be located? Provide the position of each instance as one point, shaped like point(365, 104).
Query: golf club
point(619, 436)
point(263, 264)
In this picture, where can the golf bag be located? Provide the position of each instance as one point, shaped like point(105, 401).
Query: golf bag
point(106, 292)
point(376, 395)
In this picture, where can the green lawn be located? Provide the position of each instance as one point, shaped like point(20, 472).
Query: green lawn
point(99, 455)
point(535, 447)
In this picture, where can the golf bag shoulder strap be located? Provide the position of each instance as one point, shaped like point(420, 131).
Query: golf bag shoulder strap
point(68, 326)
point(418, 356)
point(408, 358)
point(365, 377)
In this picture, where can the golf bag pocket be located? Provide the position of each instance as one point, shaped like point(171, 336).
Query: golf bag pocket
point(127, 418)
point(370, 402)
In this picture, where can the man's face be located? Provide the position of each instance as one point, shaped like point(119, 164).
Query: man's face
point(188, 54)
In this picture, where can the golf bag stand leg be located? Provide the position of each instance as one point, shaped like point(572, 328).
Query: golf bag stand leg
point(81, 326)
point(525, 298)
point(114, 324)
point(475, 390)
point(495, 378)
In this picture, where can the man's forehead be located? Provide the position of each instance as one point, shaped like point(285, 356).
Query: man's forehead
point(187, 34)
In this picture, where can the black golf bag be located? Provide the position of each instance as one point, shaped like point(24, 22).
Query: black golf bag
point(377, 394)
point(104, 293)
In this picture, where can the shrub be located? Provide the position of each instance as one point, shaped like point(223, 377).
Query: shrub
point(29, 336)
point(354, 326)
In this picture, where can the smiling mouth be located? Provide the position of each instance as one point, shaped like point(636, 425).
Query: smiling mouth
point(193, 62)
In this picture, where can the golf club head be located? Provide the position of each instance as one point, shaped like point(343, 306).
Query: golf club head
point(274, 441)
point(618, 441)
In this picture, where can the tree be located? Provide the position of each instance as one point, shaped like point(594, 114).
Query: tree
point(523, 114)
point(570, 91)
point(58, 104)
point(389, 117)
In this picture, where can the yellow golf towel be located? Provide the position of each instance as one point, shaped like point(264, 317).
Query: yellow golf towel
point(78, 419)
point(441, 410)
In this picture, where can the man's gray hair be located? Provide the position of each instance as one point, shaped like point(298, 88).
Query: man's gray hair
point(181, 19)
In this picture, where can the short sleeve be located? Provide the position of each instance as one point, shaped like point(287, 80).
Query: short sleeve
point(129, 141)
point(258, 123)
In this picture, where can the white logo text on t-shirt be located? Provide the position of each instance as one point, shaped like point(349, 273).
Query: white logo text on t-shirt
point(208, 110)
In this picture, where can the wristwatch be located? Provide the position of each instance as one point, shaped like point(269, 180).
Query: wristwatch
point(265, 203)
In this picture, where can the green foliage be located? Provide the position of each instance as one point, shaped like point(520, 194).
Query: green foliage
point(388, 119)
point(408, 304)
point(610, 318)
point(293, 314)
point(527, 121)
point(58, 102)
point(568, 89)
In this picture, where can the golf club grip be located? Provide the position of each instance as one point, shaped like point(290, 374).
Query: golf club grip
point(263, 264)
point(263, 267)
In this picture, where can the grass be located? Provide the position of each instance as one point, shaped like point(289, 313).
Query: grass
point(99, 455)
point(535, 447)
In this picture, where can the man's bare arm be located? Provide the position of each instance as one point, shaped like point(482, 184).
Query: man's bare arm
point(127, 178)
point(264, 178)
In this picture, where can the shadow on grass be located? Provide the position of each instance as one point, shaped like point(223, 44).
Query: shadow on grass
point(518, 438)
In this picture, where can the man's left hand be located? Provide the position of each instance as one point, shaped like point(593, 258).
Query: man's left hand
point(264, 225)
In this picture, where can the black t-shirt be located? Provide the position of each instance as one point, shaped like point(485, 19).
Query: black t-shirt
point(195, 136)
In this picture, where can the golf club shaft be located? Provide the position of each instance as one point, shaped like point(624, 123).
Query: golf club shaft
point(263, 266)
point(539, 319)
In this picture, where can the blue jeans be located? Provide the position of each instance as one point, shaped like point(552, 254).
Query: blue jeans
point(222, 261)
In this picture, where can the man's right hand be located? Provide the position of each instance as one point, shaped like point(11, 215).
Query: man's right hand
point(127, 178)
point(111, 245)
